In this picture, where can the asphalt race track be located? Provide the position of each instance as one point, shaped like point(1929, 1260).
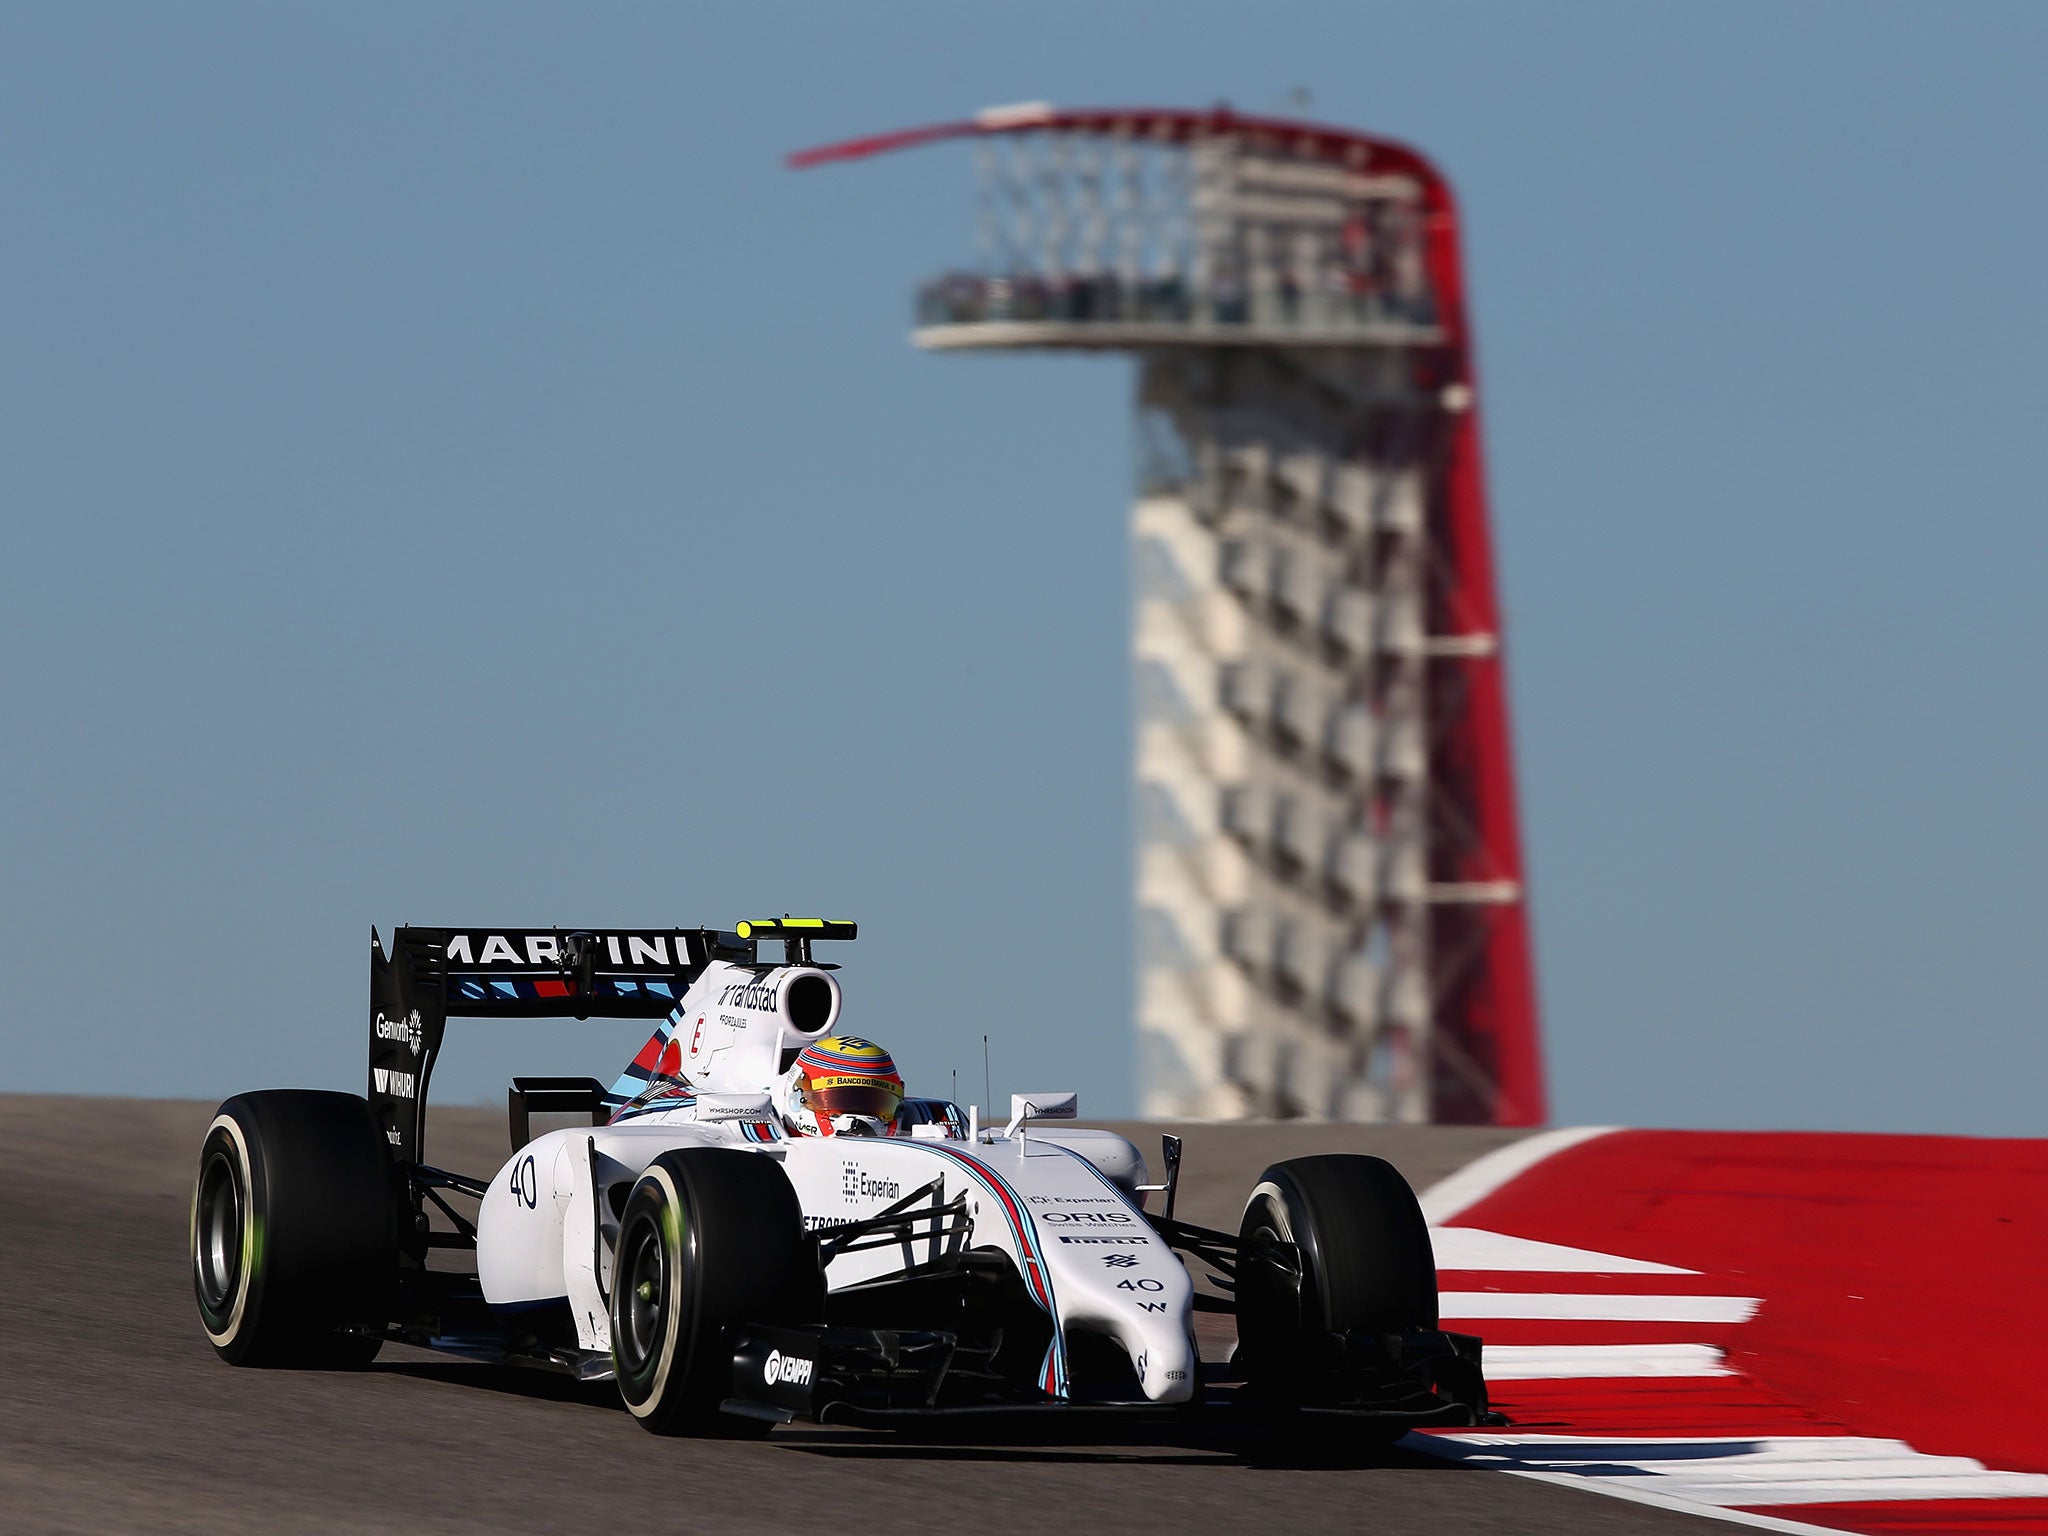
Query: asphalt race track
point(116, 1416)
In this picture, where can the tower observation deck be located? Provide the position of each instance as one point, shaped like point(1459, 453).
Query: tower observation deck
point(1331, 912)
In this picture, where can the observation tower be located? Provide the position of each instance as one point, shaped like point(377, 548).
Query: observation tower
point(1332, 920)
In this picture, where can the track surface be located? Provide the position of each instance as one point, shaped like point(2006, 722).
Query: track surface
point(115, 1415)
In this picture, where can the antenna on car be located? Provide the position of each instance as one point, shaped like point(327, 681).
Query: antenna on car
point(988, 1094)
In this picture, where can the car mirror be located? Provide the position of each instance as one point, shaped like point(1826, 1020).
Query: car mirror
point(1042, 1106)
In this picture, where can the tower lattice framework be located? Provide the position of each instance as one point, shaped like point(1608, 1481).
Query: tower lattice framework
point(1332, 918)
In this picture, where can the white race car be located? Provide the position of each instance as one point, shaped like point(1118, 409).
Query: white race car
point(735, 1262)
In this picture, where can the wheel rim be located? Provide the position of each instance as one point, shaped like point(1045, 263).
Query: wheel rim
point(218, 1250)
point(1272, 1301)
point(643, 1295)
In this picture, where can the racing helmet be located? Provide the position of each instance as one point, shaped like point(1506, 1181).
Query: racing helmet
point(841, 1085)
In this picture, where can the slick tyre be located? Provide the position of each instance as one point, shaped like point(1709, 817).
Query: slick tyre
point(1364, 1263)
point(710, 1237)
point(294, 1230)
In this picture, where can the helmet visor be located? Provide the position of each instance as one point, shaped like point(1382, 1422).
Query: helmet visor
point(875, 1096)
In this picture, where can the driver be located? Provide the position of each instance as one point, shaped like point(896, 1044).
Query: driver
point(840, 1086)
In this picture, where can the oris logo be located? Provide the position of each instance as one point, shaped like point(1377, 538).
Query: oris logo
point(405, 1030)
point(1054, 1218)
point(786, 1368)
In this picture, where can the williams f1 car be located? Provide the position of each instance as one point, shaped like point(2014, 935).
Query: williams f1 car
point(733, 1261)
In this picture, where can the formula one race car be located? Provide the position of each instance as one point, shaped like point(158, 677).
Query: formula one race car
point(752, 1225)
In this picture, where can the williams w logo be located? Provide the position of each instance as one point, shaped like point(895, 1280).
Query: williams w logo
point(399, 1085)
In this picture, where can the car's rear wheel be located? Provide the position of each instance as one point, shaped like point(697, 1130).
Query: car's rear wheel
point(1333, 1244)
point(709, 1238)
point(294, 1230)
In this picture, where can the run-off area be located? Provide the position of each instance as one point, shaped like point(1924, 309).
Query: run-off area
point(1798, 1331)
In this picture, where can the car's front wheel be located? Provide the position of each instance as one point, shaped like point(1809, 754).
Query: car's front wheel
point(294, 1230)
point(1333, 1244)
point(710, 1238)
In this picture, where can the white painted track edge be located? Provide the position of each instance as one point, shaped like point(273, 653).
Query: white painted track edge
point(1429, 1445)
point(1604, 1362)
point(1452, 1196)
point(1673, 1502)
point(1572, 1306)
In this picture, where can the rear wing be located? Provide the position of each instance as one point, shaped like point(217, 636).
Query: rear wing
point(434, 974)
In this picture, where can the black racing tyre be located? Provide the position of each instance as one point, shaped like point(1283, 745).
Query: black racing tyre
point(710, 1237)
point(294, 1230)
point(1365, 1264)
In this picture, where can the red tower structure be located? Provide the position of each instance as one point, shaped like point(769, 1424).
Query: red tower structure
point(1332, 911)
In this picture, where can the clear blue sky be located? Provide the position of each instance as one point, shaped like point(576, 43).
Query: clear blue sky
point(453, 473)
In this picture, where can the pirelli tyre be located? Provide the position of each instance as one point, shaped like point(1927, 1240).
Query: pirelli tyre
point(1359, 1260)
point(294, 1230)
point(710, 1237)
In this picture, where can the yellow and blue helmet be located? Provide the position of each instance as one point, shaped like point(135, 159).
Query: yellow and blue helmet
point(841, 1085)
